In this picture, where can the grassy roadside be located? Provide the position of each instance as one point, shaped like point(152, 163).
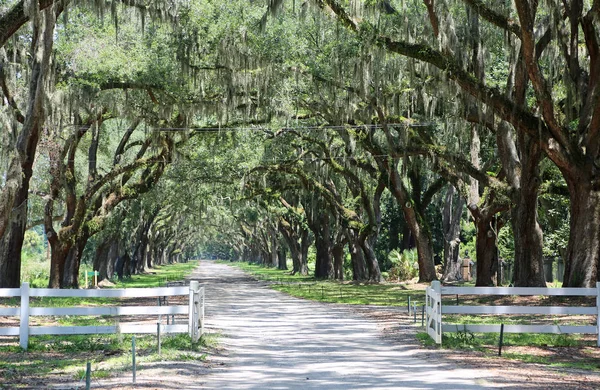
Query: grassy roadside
point(63, 358)
point(385, 294)
point(574, 351)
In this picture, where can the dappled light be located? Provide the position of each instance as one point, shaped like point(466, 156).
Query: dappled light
point(275, 341)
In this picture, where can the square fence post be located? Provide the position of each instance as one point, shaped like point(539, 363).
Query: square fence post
point(193, 310)
point(436, 286)
point(201, 311)
point(24, 326)
point(598, 314)
point(427, 305)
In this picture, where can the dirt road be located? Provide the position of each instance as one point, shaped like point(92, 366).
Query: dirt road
point(275, 341)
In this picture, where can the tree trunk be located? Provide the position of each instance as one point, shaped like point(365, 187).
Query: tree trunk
point(451, 225)
point(394, 229)
point(273, 248)
point(282, 259)
point(11, 242)
point(529, 262)
point(338, 260)
point(487, 251)
point(70, 277)
point(414, 220)
point(583, 250)
point(408, 240)
point(305, 242)
point(324, 262)
point(370, 260)
point(58, 258)
point(359, 267)
point(104, 261)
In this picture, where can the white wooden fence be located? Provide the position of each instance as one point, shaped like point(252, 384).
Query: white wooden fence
point(434, 310)
point(194, 309)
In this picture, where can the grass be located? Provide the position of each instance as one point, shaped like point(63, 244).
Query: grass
point(392, 294)
point(306, 287)
point(67, 355)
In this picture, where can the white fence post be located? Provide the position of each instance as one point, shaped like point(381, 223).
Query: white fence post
point(427, 306)
point(193, 304)
point(201, 311)
point(598, 313)
point(437, 288)
point(24, 327)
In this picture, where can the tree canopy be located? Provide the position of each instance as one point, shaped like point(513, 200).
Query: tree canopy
point(336, 134)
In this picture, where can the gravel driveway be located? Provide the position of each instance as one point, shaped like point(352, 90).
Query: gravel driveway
point(274, 341)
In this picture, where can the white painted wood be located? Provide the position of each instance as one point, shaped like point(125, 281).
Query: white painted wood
point(202, 311)
point(502, 310)
point(548, 310)
point(107, 311)
point(437, 288)
point(23, 331)
point(24, 320)
point(495, 328)
point(10, 311)
point(12, 331)
point(10, 292)
point(111, 293)
point(193, 288)
point(598, 313)
point(581, 292)
point(121, 328)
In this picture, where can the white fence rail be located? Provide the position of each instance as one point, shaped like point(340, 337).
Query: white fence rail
point(194, 309)
point(434, 310)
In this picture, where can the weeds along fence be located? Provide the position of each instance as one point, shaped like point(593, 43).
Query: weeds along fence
point(194, 311)
point(434, 309)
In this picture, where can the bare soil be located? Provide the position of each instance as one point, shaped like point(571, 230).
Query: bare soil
point(511, 374)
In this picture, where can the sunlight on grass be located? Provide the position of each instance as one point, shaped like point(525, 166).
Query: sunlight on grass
point(108, 353)
point(306, 287)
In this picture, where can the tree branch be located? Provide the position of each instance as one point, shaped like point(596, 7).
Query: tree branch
point(494, 17)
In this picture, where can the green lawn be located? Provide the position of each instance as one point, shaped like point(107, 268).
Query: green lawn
point(387, 294)
point(50, 355)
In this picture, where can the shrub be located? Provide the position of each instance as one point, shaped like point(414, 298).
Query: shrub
point(405, 265)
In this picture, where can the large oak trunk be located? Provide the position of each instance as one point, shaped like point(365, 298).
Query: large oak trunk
point(282, 259)
point(12, 242)
point(487, 252)
point(338, 260)
point(451, 225)
point(58, 257)
point(70, 278)
point(528, 238)
point(370, 260)
point(359, 266)
point(324, 261)
point(583, 250)
point(529, 265)
point(104, 262)
point(70, 275)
